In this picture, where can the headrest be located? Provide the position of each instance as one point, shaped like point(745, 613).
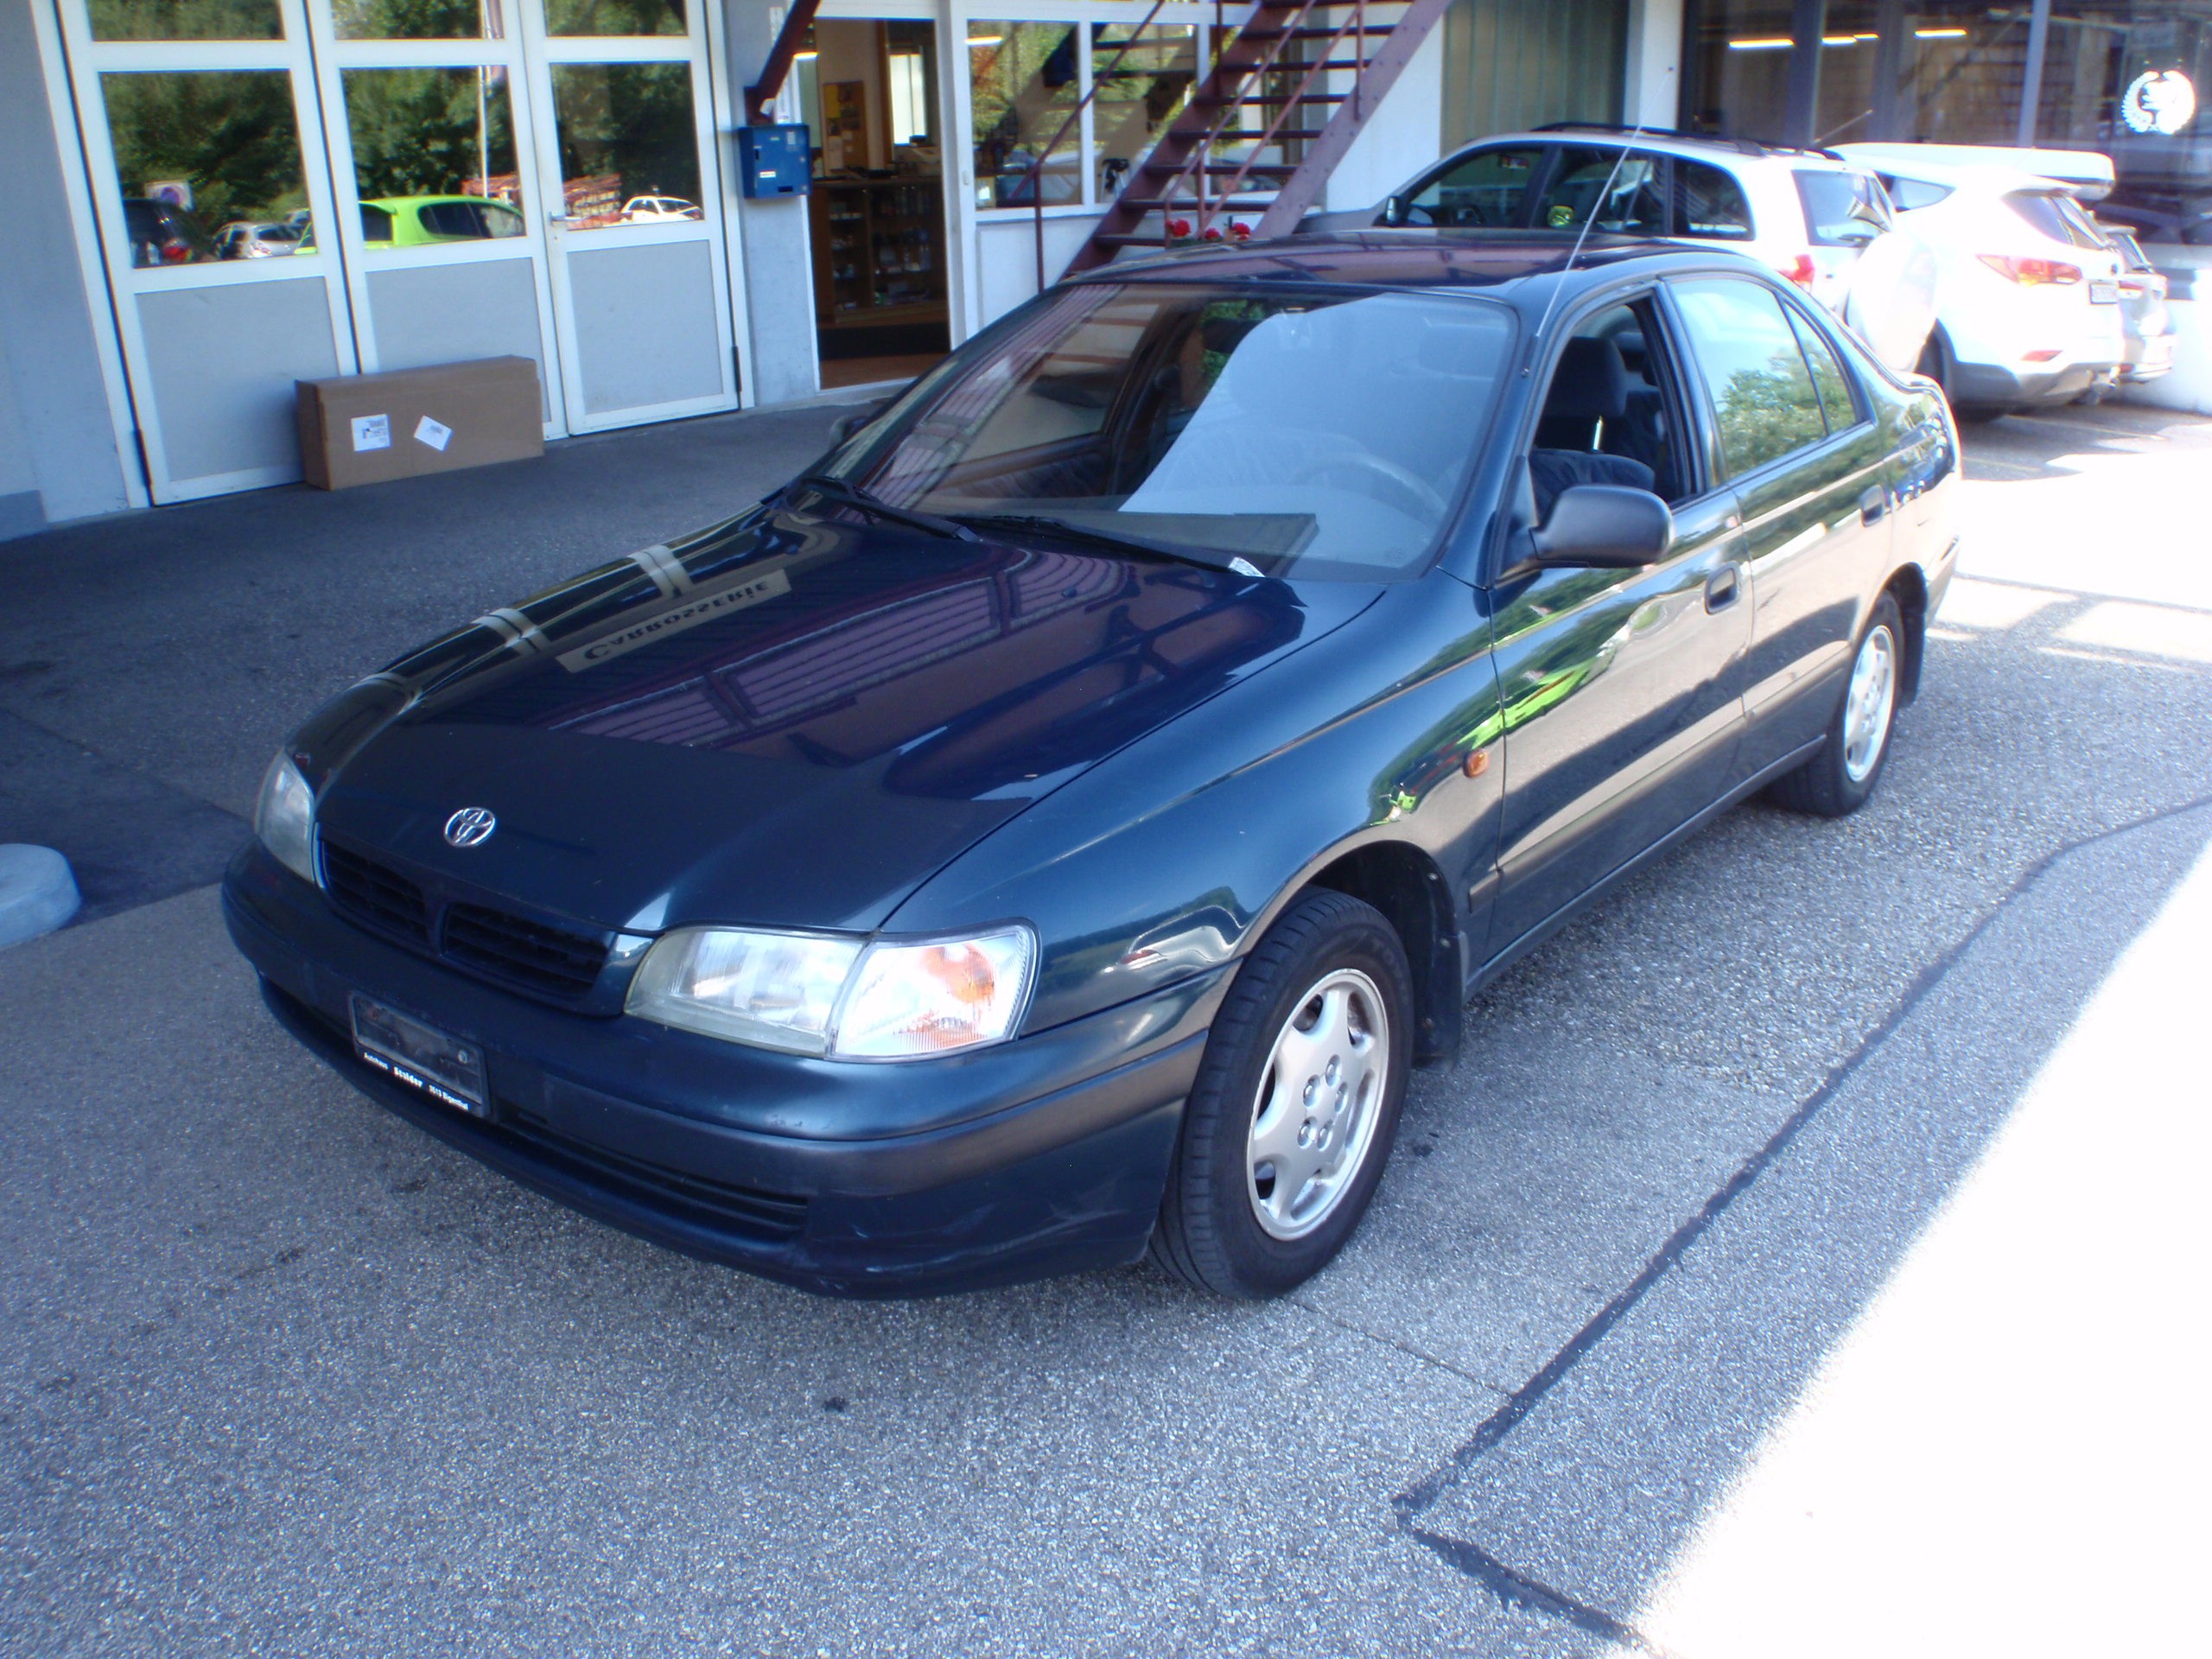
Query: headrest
point(1591, 383)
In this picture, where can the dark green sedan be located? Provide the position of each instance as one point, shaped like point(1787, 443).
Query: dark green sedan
point(1052, 828)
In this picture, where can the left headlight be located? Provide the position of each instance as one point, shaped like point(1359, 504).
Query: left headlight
point(840, 997)
point(283, 818)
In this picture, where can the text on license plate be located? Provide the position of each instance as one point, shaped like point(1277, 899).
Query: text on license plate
point(446, 1069)
point(2102, 292)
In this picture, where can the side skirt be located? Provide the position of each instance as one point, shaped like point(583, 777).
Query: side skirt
point(1659, 848)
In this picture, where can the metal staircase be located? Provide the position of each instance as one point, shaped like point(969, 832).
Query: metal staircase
point(1253, 150)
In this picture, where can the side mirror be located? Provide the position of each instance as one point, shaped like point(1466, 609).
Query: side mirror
point(1394, 210)
point(1604, 526)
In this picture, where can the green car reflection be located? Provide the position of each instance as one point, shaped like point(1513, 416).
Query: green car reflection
point(425, 221)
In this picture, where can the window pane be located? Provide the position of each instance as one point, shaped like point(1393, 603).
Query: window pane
point(626, 133)
point(185, 19)
point(1836, 402)
point(429, 145)
point(418, 19)
point(1485, 189)
point(1024, 77)
point(199, 151)
point(615, 17)
point(1629, 202)
point(1763, 396)
point(1152, 74)
point(1710, 202)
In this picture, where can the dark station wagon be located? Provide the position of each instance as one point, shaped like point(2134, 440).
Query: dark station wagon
point(1053, 827)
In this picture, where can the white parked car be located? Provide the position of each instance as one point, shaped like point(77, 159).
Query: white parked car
point(2028, 287)
point(647, 210)
point(1823, 222)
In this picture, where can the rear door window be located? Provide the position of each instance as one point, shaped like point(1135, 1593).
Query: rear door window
point(1838, 406)
point(1709, 203)
point(1624, 196)
point(1765, 404)
point(1485, 188)
point(1911, 193)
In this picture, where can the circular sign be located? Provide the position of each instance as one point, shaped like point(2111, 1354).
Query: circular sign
point(2162, 101)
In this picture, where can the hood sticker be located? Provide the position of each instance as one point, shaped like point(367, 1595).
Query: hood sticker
point(701, 605)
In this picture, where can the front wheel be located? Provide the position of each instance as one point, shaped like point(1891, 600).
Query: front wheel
point(1838, 779)
point(1292, 1117)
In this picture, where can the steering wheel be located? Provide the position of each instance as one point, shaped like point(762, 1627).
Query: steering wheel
point(1402, 486)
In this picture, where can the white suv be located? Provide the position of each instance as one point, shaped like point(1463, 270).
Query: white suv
point(1818, 220)
point(2028, 297)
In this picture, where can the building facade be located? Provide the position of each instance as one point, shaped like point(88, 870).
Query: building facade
point(209, 200)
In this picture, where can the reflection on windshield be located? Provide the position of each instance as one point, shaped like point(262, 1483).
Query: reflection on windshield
point(1311, 434)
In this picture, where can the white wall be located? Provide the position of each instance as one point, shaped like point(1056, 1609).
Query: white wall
point(1398, 139)
point(1005, 262)
point(779, 299)
point(1652, 89)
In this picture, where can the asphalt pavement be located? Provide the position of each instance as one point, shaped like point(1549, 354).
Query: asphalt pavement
point(1802, 1259)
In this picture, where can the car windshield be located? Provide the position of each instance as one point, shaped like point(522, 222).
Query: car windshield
point(1315, 433)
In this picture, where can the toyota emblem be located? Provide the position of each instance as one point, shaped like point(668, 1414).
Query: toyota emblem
point(470, 826)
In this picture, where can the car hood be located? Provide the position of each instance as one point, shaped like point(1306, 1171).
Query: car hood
point(788, 721)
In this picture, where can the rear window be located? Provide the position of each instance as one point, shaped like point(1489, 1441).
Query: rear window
point(1828, 198)
point(1909, 193)
point(1708, 202)
point(376, 224)
point(2054, 214)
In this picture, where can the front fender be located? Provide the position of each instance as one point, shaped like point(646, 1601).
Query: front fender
point(1172, 858)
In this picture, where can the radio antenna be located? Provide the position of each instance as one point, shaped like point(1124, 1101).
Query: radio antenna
point(1604, 191)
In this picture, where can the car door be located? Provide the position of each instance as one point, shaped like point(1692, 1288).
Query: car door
point(1788, 427)
point(1622, 689)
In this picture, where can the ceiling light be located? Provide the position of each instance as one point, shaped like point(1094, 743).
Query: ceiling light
point(1763, 43)
point(1939, 33)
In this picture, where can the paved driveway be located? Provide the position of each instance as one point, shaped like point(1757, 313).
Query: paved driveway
point(1798, 1261)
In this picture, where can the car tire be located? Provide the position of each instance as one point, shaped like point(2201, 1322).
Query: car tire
point(1937, 364)
point(1838, 779)
point(1230, 1221)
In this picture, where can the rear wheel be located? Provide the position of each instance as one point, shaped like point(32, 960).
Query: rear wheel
point(1838, 779)
point(1292, 1118)
point(1937, 363)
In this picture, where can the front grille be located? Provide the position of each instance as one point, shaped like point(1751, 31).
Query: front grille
point(551, 960)
point(767, 1215)
point(558, 964)
point(375, 895)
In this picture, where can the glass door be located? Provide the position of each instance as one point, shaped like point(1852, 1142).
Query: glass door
point(620, 121)
point(426, 104)
point(208, 173)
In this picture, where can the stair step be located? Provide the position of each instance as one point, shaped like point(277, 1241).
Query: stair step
point(1301, 98)
point(1222, 169)
point(1264, 34)
point(1228, 204)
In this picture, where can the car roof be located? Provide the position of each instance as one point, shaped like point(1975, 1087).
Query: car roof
point(1668, 141)
point(1501, 262)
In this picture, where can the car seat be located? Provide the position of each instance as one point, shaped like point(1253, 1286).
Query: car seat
point(1589, 397)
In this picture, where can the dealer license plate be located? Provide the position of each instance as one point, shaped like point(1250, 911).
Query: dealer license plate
point(2104, 292)
point(445, 1068)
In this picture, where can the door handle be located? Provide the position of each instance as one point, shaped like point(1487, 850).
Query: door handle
point(1721, 588)
point(1874, 505)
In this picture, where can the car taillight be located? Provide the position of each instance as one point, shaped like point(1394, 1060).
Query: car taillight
point(2029, 272)
point(175, 253)
point(1800, 270)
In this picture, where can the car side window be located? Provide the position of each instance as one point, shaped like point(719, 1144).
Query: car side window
point(1837, 403)
point(1709, 203)
point(1910, 193)
point(1605, 416)
point(1765, 404)
point(1623, 194)
point(1483, 189)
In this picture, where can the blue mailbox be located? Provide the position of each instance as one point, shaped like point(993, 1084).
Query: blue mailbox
point(774, 161)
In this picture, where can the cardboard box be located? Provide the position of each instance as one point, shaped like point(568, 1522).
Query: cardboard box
point(364, 429)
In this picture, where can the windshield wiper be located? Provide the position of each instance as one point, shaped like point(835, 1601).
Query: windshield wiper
point(1045, 524)
point(876, 507)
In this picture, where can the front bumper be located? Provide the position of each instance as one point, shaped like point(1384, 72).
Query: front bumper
point(1048, 1154)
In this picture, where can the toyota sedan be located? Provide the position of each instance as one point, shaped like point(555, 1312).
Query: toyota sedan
point(1052, 828)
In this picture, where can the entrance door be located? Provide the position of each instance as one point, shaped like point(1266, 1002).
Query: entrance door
point(621, 124)
point(438, 196)
point(206, 162)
